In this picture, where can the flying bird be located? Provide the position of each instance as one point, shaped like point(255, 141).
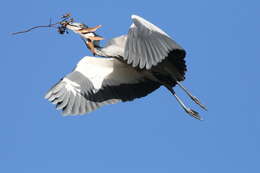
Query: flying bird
point(130, 66)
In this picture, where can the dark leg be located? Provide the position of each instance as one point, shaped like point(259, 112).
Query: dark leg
point(190, 111)
point(196, 100)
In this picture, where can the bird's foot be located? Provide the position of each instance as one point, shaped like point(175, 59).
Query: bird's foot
point(193, 113)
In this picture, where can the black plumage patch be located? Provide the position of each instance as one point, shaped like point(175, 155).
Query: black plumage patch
point(176, 57)
point(123, 92)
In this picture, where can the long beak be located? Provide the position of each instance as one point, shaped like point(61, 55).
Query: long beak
point(95, 38)
point(85, 32)
point(91, 29)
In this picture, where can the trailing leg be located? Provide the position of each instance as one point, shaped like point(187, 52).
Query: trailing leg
point(190, 111)
point(195, 99)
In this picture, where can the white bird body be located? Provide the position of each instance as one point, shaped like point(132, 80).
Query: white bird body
point(99, 69)
point(132, 66)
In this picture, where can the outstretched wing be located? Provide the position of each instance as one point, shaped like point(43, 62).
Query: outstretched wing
point(147, 45)
point(96, 82)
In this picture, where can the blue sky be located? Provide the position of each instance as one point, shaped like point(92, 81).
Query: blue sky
point(151, 134)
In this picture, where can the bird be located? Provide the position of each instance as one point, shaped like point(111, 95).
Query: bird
point(129, 66)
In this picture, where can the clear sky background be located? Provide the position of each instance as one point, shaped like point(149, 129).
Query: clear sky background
point(151, 134)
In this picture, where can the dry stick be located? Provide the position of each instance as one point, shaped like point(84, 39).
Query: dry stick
point(41, 26)
point(63, 22)
point(65, 19)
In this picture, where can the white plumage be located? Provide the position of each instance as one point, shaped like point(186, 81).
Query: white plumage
point(99, 69)
point(141, 23)
point(93, 75)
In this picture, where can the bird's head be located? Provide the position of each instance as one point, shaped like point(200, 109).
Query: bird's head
point(85, 31)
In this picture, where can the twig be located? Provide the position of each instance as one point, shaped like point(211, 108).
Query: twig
point(61, 28)
point(40, 26)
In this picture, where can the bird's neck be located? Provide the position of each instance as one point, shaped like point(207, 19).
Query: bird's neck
point(99, 52)
point(96, 50)
point(92, 47)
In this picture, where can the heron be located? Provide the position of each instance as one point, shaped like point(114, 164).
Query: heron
point(129, 66)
